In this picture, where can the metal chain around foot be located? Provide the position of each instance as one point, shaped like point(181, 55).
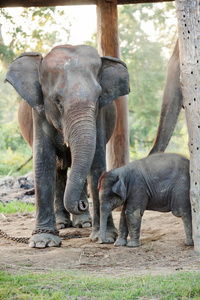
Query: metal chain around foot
point(25, 240)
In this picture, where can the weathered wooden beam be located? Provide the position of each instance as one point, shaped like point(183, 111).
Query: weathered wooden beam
point(108, 45)
point(40, 3)
point(141, 1)
point(189, 44)
point(43, 3)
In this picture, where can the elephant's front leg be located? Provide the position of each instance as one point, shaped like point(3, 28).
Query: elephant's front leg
point(83, 220)
point(134, 219)
point(62, 215)
point(97, 168)
point(123, 229)
point(45, 233)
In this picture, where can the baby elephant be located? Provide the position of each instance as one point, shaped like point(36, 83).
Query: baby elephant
point(159, 182)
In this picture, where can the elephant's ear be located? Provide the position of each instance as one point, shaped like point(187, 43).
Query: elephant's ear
point(23, 75)
point(119, 188)
point(114, 80)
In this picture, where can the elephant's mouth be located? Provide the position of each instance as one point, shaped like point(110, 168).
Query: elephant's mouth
point(83, 205)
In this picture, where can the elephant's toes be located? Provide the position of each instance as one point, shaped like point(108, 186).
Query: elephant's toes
point(120, 242)
point(105, 241)
point(111, 234)
point(134, 243)
point(189, 242)
point(86, 225)
point(63, 221)
point(62, 225)
point(44, 240)
point(109, 240)
point(95, 235)
point(82, 221)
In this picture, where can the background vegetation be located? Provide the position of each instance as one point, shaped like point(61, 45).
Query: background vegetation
point(145, 54)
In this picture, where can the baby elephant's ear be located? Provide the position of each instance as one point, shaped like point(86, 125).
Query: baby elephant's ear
point(114, 80)
point(119, 188)
point(23, 75)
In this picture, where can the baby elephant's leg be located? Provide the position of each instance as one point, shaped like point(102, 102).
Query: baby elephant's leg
point(181, 208)
point(134, 223)
point(187, 221)
point(123, 229)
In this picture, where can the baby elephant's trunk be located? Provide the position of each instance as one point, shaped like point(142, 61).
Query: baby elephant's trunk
point(104, 213)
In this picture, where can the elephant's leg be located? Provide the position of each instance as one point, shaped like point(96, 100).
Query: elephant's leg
point(134, 223)
point(93, 181)
point(44, 157)
point(112, 232)
point(97, 168)
point(84, 220)
point(187, 222)
point(62, 215)
point(123, 229)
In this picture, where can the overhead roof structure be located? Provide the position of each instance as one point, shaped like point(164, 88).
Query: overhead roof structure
point(38, 3)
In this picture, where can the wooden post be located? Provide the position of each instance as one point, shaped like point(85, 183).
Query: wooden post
point(189, 44)
point(117, 153)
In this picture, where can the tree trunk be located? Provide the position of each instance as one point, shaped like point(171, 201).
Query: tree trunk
point(117, 152)
point(189, 45)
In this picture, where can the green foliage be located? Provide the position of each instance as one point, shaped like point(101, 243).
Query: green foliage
point(145, 56)
point(11, 137)
point(82, 285)
point(16, 207)
point(8, 101)
point(11, 160)
point(40, 31)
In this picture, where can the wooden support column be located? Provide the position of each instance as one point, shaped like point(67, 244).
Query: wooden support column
point(117, 153)
point(189, 44)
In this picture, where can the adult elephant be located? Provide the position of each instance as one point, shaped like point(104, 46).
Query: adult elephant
point(70, 92)
point(171, 104)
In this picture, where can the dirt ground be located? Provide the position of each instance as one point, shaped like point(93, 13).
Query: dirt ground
point(162, 250)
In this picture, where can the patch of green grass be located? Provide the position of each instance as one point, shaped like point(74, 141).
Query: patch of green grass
point(16, 206)
point(82, 285)
point(11, 160)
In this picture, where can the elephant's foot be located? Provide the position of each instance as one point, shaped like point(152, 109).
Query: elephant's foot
point(82, 221)
point(189, 242)
point(111, 235)
point(120, 242)
point(95, 235)
point(104, 241)
point(133, 243)
point(43, 240)
point(63, 220)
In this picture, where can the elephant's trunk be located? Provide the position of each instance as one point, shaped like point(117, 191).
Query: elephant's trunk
point(103, 224)
point(82, 140)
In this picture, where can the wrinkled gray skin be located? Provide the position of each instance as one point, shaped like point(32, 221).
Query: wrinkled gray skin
point(171, 104)
point(70, 92)
point(159, 182)
point(63, 219)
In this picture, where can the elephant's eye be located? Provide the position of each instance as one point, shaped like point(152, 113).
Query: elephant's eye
point(59, 104)
point(57, 100)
